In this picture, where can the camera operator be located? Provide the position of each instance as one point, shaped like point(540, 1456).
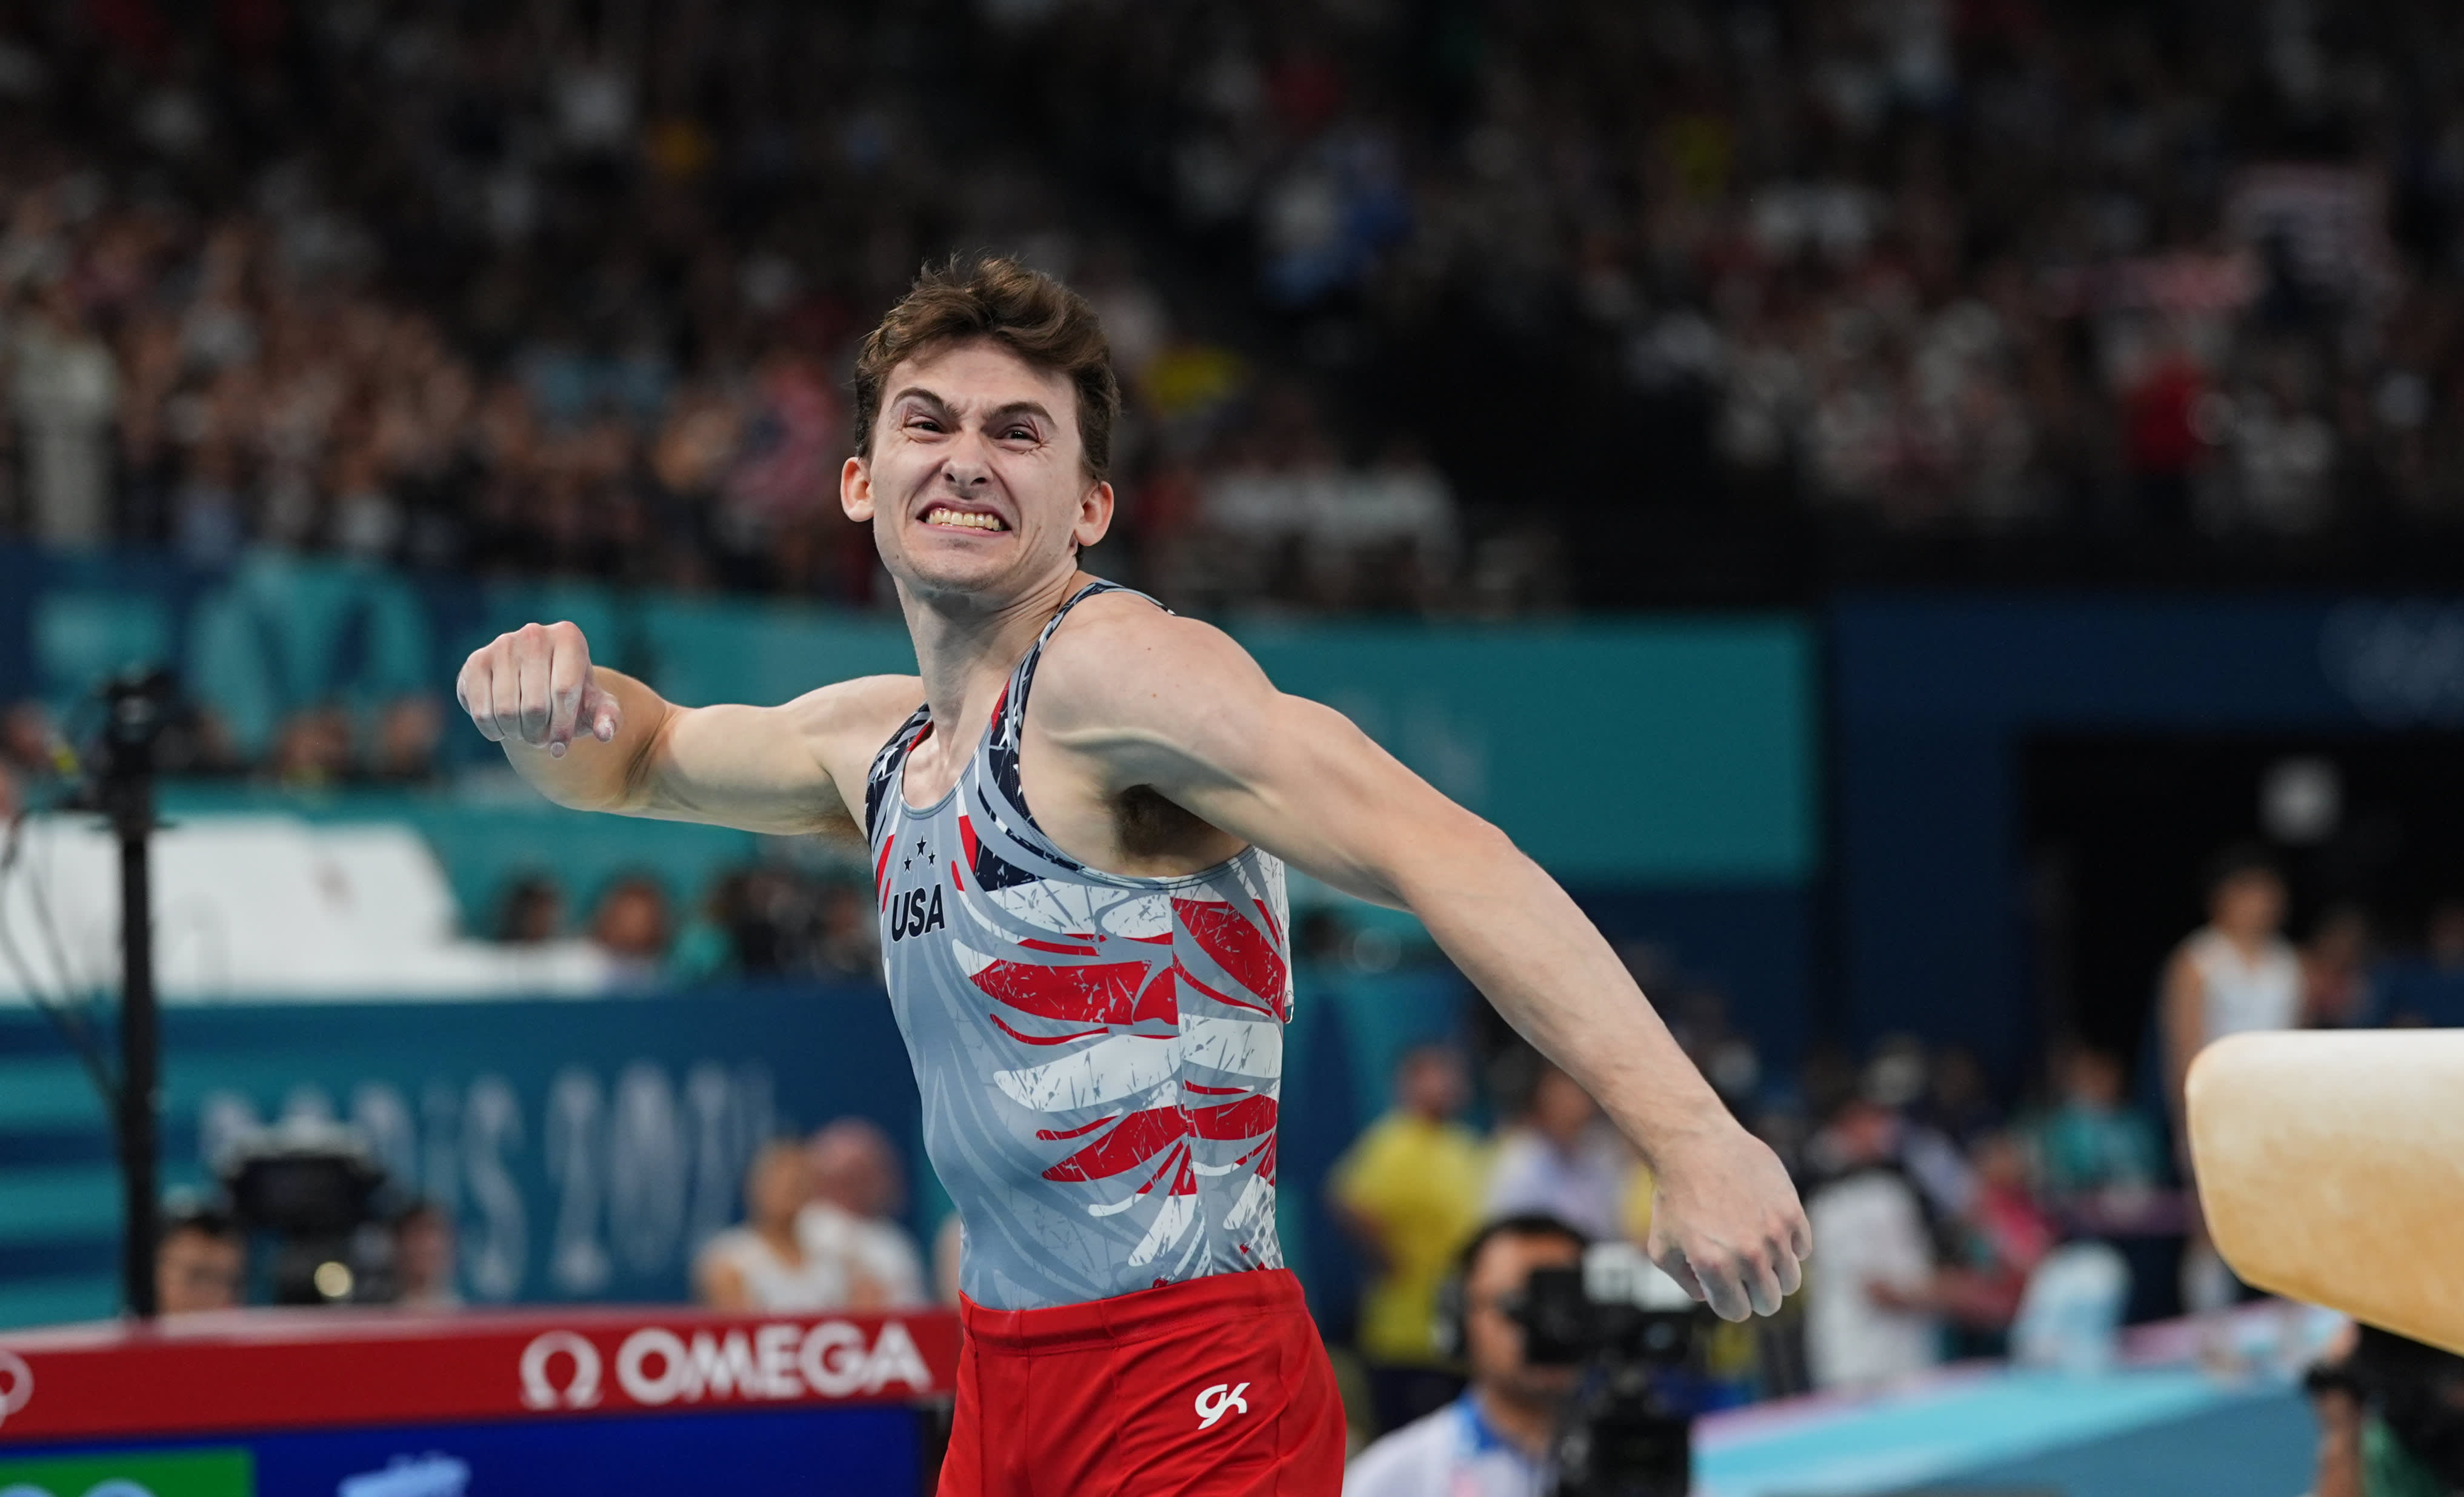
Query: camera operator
point(200, 1262)
point(1494, 1440)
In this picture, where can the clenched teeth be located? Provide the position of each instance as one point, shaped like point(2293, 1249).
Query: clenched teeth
point(964, 519)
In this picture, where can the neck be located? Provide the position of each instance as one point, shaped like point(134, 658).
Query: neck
point(781, 1238)
point(1525, 1424)
point(964, 644)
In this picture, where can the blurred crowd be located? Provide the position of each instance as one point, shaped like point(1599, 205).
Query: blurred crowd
point(821, 1231)
point(2147, 278)
point(567, 289)
point(757, 921)
point(1932, 1206)
point(1952, 1218)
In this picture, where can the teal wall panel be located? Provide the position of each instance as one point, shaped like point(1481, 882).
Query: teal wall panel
point(1650, 752)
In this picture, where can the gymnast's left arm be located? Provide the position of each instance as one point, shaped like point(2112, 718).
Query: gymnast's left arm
point(1175, 706)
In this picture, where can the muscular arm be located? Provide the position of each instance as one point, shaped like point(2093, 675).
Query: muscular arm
point(597, 739)
point(1175, 706)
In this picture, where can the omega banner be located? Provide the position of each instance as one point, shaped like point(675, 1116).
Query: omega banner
point(372, 1404)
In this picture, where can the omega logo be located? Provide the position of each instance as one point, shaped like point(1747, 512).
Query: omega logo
point(539, 1392)
point(16, 1385)
point(656, 1365)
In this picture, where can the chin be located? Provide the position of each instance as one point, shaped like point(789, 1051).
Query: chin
point(944, 572)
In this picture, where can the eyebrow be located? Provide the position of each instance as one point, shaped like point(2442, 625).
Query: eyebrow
point(920, 392)
point(1020, 407)
point(942, 407)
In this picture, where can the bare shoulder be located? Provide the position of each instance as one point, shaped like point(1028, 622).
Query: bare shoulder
point(2182, 968)
point(1119, 658)
point(849, 720)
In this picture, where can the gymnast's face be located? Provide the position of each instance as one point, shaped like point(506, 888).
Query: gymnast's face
point(976, 484)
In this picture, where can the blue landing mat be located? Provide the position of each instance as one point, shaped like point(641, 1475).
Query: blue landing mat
point(2149, 1432)
point(2262, 1447)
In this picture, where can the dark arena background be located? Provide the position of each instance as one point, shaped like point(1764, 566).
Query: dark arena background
point(1878, 497)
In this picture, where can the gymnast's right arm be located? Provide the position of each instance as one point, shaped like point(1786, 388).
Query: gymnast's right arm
point(597, 739)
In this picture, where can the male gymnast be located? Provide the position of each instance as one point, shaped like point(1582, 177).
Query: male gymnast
point(1079, 817)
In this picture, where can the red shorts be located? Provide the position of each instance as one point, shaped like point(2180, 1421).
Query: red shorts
point(1217, 1387)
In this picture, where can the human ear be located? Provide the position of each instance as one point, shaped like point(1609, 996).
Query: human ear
point(1094, 514)
point(855, 490)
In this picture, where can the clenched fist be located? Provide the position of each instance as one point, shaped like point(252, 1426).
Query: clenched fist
point(534, 684)
point(1727, 1224)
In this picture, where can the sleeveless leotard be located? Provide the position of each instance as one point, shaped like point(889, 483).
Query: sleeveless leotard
point(1099, 1056)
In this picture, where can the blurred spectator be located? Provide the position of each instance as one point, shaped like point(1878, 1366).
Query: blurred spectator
point(2098, 1154)
point(531, 912)
point(2443, 935)
point(402, 749)
point(29, 742)
point(2234, 975)
point(1959, 1102)
point(848, 941)
point(424, 1259)
point(1496, 1438)
point(2237, 973)
point(311, 749)
point(2336, 970)
point(631, 926)
point(1900, 1077)
point(65, 391)
point(859, 1190)
point(200, 1264)
point(1409, 1192)
point(765, 1264)
point(771, 919)
point(1561, 1158)
point(760, 910)
point(1871, 1311)
point(2006, 1233)
point(2164, 446)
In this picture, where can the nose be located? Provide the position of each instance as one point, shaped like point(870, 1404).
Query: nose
point(966, 467)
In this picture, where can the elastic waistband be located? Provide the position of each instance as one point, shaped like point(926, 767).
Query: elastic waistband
point(1136, 1316)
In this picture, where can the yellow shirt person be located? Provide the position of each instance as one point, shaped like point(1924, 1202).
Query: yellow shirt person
point(1412, 1186)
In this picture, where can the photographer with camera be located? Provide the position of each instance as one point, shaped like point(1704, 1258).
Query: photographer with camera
point(1494, 1440)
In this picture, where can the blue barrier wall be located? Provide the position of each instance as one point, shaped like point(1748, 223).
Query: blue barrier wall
point(587, 1146)
point(584, 1146)
point(1931, 697)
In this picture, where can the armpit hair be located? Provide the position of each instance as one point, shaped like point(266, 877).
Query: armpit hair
point(1153, 827)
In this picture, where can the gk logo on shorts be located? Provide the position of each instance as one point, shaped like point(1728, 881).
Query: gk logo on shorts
point(1219, 1400)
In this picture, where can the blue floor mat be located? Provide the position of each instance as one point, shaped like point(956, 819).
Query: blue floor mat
point(2259, 1447)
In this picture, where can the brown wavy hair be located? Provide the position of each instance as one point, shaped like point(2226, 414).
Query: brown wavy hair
point(1026, 312)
